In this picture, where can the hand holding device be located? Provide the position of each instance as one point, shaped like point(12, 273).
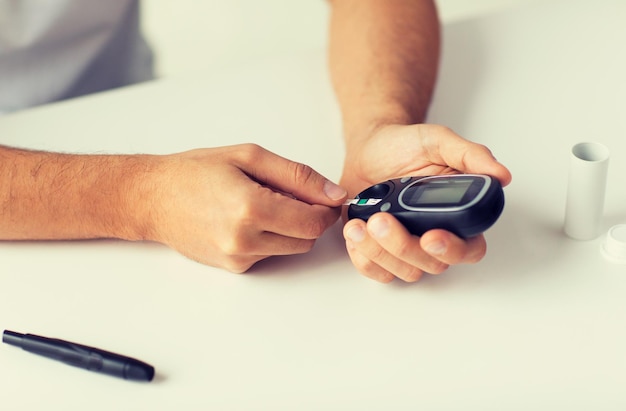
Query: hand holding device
point(464, 204)
point(388, 250)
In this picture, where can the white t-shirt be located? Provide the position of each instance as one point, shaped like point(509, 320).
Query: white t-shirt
point(56, 49)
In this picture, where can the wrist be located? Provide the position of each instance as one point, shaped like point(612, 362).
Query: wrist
point(360, 126)
point(145, 177)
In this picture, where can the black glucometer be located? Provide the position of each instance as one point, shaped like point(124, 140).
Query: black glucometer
point(464, 204)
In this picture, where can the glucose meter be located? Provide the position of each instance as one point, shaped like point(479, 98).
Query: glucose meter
point(464, 204)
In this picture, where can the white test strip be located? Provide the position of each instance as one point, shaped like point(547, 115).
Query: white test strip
point(363, 201)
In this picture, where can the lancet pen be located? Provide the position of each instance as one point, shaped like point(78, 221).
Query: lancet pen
point(89, 358)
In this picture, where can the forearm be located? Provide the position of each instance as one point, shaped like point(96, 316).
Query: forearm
point(383, 61)
point(60, 196)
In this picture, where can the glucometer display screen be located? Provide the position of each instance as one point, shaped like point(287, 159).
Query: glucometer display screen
point(445, 192)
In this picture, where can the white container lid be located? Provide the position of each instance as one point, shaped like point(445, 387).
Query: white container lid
point(614, 245)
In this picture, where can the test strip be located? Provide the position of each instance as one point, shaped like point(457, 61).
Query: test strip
point(363, 201)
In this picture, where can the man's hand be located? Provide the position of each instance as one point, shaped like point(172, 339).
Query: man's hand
point(233, 206)
point(382, 248)
point(228, 207)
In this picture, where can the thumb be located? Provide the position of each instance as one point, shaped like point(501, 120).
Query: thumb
point(469, 157)
point(480, 160)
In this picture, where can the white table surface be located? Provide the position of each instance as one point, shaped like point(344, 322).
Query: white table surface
point(538, 324)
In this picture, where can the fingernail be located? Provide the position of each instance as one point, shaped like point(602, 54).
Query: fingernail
point(436, 248)
point(378, 227)
point(355, 233)
point(333, 191)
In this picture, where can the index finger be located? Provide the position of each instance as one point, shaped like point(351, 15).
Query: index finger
point(297, 179)
point(291, 217)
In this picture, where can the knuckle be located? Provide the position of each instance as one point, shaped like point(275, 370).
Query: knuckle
point(440, 128)
point(477, 255)
point(476, 250)
point(436, 130)
point(300, 246)
point(375, 272)
point(244, 214)
point(413, 275)
point(376, 253)
point(307, 245)
point(237, 244)
point(437, 268)
point(302, 173)
point(318, 222)
point(402, 248)
point(250, 152)
point(233, 247)
point(238, 265)
point(384, 277)
point(314, 228)
point(369, 268)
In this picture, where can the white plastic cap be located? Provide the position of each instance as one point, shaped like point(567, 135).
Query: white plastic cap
point(614, 245)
